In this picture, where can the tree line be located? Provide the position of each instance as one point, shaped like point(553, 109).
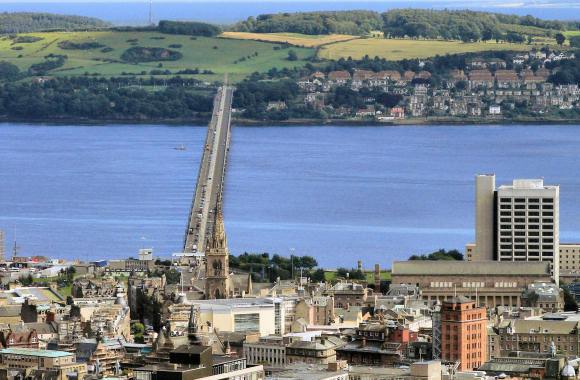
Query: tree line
point(341, 22)
point(26, 22)
point(99, 99)
point(189, 28)
point(264, 267)
point(447, 24)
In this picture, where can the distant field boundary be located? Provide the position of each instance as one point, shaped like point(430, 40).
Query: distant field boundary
point(402, 48)
point(304, 41)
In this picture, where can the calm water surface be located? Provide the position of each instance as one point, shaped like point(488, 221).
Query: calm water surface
point(338, 193)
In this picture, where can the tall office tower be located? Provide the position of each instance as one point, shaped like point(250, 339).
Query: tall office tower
point(463, 333)
point(528, 222)
point(517, 222)
point(484, 218)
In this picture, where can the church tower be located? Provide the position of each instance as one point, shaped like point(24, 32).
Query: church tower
point(217, 267)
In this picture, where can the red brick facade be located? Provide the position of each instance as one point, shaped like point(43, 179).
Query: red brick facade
point(463, 333)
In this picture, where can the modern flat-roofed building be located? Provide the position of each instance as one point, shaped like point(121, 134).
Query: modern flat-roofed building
point(34, 363)
point(517, 222)
point(528, 228)
point(569, 260)
point(264, 316)
point(269, 351)
point(197, 362)
point(493, 283)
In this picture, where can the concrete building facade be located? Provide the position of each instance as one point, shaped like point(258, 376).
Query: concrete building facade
point(517, 222)
point(493, 283)
point(484, 217)
point(569, 260)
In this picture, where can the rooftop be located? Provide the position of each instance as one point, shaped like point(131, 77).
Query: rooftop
point(35, 352)
point(466, 268)
point(527, 184)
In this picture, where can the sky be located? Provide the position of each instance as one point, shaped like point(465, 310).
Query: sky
point(495, 3)
point(411, 2)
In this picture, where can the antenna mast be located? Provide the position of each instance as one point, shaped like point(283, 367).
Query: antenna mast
point(150, 12)
point(1, 246)
point(15, 248)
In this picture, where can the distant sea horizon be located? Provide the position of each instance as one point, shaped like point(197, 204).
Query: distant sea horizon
point(229, 12)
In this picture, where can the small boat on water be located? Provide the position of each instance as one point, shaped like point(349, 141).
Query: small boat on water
point(180, 147)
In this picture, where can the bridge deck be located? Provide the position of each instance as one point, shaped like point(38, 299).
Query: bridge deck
point(210, 180)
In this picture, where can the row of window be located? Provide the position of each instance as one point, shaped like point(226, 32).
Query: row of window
point(523, 240)
point(523, 200)
point(535, 213)
point(523, 227)
point(523, 207)
point(523, 220)
point(523, 233)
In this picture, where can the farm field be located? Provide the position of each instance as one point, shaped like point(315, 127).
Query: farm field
point(236, 57)
point(303, 40)
point(397, 49)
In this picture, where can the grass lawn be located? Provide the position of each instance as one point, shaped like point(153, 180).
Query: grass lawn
point(220, 55)
point(296, 39)
point(63, 291)
point(397, 49)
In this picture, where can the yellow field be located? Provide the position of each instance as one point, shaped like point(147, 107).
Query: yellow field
point(296, 39)
point(395, 49)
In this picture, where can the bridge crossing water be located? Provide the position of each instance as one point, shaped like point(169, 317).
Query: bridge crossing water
point(210, 180)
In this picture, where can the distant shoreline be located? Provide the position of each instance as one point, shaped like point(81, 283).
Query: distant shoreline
point(295, 122)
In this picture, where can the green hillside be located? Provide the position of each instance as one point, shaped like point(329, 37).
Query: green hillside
point(101, 53)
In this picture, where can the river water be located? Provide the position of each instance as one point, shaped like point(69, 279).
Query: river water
point(338, 193)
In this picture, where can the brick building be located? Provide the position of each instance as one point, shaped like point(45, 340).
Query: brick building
point(463, 333)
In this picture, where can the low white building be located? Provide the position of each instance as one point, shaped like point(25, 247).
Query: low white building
point(495, 110)
point(261, 315)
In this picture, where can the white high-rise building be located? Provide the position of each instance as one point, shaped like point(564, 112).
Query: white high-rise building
point(517, 222)
point(528, 225)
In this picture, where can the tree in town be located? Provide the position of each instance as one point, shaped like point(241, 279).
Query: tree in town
point(560, 38)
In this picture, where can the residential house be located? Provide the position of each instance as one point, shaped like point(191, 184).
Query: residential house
point(495, 110)
point(480, 78)
point(398, 112)
point(507, 79)
point(339, 78)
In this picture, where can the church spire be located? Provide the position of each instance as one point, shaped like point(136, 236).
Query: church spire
point(218, 236)
point(217, 270)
